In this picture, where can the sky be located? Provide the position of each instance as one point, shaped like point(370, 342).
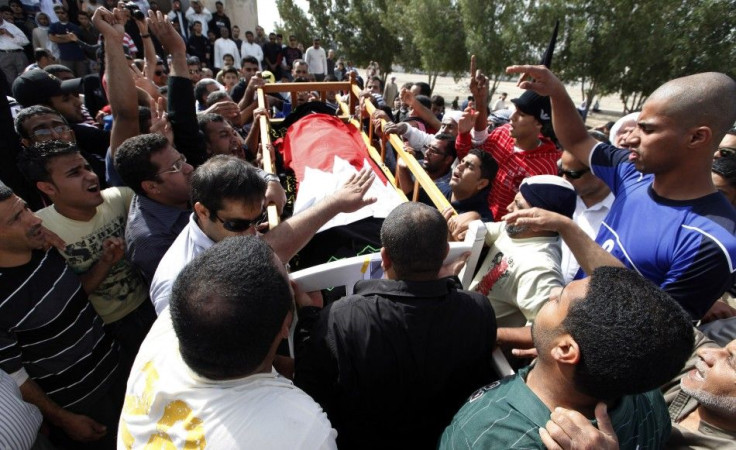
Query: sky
point(268, 13)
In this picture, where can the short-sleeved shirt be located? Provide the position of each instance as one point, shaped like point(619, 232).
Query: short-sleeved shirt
point(167, 402)
point(123, 290)
point(686, 247)
point(50, 332)
point(191, 242)
point(152, 228)
point(517, 275)
point(507, 414)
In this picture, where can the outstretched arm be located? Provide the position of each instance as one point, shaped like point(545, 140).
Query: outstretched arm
point(420, 110)
point(120, 83)
point(566, 120)
point(587, 252)
point(290, 236)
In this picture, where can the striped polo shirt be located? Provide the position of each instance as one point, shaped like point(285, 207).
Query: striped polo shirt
point(49, 330)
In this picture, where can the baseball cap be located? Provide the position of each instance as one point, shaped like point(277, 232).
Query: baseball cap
point(37, 86)
point(549, 192)
point(535, 105)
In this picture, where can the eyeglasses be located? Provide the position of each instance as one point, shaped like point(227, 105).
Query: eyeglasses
point(49, 132)
point(727, 152)
point(433, 150)
point(572, 174)
point(176, 167)
point(240, 225)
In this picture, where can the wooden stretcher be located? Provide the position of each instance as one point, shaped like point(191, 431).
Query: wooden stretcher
point(348, 113)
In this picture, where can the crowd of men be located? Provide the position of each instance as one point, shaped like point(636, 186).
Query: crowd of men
point(144, 302)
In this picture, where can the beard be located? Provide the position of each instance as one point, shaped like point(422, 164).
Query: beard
point(720, 404)
point(515, 230)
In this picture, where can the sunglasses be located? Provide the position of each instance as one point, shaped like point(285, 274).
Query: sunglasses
point(240, 225)
point(727, 152)
point(572, 174)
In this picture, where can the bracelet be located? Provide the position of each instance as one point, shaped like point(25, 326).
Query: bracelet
point(145, 36)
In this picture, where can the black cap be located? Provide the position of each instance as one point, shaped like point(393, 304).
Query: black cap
point(550, 192)
point(36, 86)
point(535, 105)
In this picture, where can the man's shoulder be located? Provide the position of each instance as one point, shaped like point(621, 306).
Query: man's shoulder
point(490, 419)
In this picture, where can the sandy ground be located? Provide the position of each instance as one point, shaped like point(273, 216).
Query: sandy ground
point(611, 107)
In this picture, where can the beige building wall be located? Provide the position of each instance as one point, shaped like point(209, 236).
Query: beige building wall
point(243, 13)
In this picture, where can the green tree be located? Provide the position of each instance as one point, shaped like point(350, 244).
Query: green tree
point(437, 33)
point(295, 21)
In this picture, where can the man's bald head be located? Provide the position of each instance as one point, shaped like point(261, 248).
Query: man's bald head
point(704, 99)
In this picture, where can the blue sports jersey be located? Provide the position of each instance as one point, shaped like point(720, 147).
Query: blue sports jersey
point(686, 247)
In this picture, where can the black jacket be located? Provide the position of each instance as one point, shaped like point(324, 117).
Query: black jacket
point(392, 364)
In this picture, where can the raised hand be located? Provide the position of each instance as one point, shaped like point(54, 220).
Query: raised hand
point(107, 23)
point(350, 196)
point(161, 27)
point(160, 120)
point(537, 78)
point(467, 121)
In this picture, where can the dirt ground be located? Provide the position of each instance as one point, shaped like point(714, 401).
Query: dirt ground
point(611, 107)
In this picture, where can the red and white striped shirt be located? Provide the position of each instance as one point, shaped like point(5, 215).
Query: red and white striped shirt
point(513, 164)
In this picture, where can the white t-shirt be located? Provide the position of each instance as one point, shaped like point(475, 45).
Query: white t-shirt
point(589, 220)
point(223, 47)
point(254, 50)
point(316, 59)
point(517, 275)
point(169, 406)
point(191, 242)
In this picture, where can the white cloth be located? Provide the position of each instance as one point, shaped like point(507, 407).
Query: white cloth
point(17, 42)
point(47, 6)
point(191, 242)
point(204, 17)
point(589, 220)
point(517, 275)
point(223, 47)
point(167, 402)
point(316, 58)
point(255, 50)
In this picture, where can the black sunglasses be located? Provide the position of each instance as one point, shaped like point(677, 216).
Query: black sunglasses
point(727, 152)
point(240, 225)
point(572, 174)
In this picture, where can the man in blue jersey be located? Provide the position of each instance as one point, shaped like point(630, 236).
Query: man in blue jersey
point(668, 222)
